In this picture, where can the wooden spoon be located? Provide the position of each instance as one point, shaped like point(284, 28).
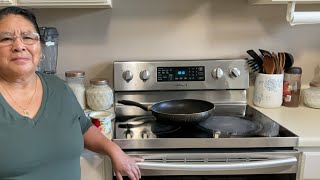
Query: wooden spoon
point(283, 60)
point(268, 64)
point(280, 62)
point(276, 63)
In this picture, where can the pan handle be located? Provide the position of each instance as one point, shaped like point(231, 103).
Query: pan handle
point(133, 103)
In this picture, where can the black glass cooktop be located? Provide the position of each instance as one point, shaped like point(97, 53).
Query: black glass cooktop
point(252, 124)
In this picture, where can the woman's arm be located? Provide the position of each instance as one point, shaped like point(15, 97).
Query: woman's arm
point(122, 164)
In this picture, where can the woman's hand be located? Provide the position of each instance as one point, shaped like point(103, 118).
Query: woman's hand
point(123, 165)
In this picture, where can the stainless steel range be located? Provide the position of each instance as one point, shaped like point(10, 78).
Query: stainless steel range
point(237, 142)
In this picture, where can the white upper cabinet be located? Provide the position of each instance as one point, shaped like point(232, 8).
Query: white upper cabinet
point(59, 3)
point(6, 2)
point(283, 1)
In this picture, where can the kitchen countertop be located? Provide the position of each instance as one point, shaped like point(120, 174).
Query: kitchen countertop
point(302, 120)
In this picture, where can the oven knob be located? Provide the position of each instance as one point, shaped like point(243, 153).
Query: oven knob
point(127, 75)
point(144, 75)
point(144, 135)
point(234, 72)
point(216, 134)
point(128, 134)
point(217, 73)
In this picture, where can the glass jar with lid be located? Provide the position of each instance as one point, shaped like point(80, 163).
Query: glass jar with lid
point(99, 95)
point(292, 86)
point(75, 80)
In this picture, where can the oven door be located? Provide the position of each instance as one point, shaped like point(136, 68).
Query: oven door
point(219, 165)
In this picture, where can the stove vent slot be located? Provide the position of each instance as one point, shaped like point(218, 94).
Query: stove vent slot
point(185, 160)
point(235, 159)
point(154, 160)
point(204, 160)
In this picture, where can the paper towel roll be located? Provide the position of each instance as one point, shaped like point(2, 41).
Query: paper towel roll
point(312, 17)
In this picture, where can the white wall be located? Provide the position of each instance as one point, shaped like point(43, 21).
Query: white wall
point(91, 39)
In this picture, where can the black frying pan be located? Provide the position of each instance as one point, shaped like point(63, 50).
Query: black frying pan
point(181, 110)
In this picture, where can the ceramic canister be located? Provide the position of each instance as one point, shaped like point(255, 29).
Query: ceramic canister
point(268, 90)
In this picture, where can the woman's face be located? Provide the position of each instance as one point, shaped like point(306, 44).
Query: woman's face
point(18, 58)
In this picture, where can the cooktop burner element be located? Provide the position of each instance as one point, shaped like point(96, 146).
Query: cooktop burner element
point(158, 128)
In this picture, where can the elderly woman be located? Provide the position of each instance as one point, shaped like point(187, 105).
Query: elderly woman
point(42, 127)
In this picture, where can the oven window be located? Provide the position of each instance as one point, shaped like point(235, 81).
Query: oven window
point(236, 177)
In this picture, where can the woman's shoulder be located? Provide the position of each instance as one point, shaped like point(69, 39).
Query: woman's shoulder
point(52, 81)
point(50, 77)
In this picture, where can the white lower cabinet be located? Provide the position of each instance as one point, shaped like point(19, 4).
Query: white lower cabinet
point(92, 166)
point(108, 168)
point(310, 168)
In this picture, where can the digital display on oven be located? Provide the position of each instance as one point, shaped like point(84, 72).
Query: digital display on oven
point(189, 73)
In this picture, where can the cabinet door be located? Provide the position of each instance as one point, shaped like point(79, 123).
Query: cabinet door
point(7, 2)
point(92, 167)
point(108, 168)
point(65, 3)
point(283, 1)
point(310, 169)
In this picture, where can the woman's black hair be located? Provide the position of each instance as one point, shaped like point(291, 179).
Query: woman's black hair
point(22, 12)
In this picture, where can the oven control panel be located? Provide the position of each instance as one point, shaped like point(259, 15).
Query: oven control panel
point(181, 75)
point(191, 73)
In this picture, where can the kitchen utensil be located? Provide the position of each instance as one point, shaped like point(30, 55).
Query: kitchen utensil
point(270, 128)
point(283, 61)
point(254, 66)
point(253, 54)
point(277, 63)
point(231, 126)
point(268, 64)
point(264, 52)
point(280, 62)
point(289, 60)
point(256, 62)
point(181, 110)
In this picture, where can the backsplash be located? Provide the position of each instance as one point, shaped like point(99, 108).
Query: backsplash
point(91, 39)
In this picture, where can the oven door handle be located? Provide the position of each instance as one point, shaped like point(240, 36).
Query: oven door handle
point(265, 164)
